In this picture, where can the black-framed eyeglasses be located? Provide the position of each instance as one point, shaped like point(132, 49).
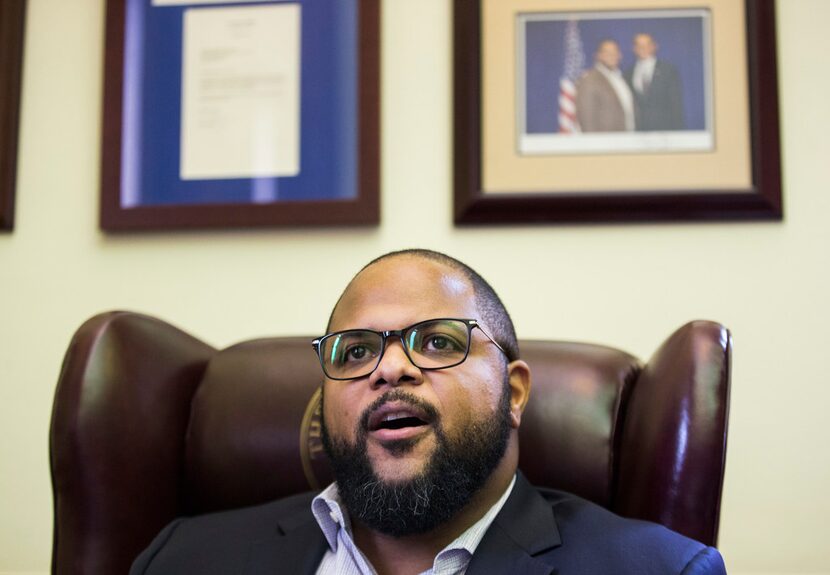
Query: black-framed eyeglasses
point(432, 344)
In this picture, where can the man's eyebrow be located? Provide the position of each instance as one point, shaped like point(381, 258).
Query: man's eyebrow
point(356, 325)
point(355, 328)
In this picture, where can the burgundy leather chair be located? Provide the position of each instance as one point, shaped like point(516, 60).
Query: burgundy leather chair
point(150, 423)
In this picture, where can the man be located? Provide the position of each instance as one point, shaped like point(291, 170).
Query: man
point(603, 99)
point(656, 87)
point(422, 401)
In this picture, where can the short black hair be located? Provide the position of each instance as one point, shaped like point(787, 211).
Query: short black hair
point(493, 312)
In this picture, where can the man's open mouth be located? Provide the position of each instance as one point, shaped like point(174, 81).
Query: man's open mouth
point(399, 420)
point(397, 415)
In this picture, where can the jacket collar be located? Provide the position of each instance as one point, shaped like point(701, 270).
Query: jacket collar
point(523, 530)
point(298, 546)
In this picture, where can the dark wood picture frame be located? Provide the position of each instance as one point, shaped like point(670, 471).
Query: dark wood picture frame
point(361, 211)
point(475, 205)
point(12, 28)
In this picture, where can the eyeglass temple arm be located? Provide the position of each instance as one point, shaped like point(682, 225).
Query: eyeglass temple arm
point(478, 325)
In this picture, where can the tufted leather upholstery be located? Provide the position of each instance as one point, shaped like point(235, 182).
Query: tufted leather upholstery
point(150, 423)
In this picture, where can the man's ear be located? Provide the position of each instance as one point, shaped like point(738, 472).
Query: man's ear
point(519, 377)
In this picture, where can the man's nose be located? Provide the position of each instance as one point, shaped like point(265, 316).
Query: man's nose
point(395, 368)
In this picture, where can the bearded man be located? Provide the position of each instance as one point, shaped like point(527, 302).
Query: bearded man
point(604, 102)
point(422, 401)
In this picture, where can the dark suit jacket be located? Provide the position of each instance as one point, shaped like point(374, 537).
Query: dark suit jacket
point(537, 532)
point(660, 107)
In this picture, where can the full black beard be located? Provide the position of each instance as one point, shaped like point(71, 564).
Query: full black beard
point(457, 470)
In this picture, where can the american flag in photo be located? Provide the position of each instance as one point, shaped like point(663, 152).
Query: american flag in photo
point(574, 63)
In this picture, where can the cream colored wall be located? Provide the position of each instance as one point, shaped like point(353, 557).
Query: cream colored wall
point(628, 285)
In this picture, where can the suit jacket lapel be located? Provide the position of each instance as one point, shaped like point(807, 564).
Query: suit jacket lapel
point(297, 546)
point(522, 531)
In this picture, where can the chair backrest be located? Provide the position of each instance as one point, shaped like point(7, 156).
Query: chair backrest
point(150, 423)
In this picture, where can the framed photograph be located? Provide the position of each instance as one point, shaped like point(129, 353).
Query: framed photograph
point(615, 110)
point(240, 113)
point(12, 24)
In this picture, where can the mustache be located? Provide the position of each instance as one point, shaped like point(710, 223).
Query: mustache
point(397, 395)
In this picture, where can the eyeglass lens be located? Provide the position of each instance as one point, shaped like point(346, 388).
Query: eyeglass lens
point(432, 344)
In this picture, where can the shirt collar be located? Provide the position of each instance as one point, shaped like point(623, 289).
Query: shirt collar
point(331, 515)
point(470, 539)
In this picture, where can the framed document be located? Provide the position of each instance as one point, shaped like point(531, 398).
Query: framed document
point(12, 24)
point(240, 113)
point(615, 110)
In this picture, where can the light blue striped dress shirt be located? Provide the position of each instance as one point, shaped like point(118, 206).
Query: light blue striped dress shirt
point(344, 558)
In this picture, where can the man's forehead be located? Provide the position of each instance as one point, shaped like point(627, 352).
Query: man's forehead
point(404, 287)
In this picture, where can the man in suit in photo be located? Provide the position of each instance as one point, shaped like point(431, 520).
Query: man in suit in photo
point(423, 396)
point(656, 87)
point(604, 102)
